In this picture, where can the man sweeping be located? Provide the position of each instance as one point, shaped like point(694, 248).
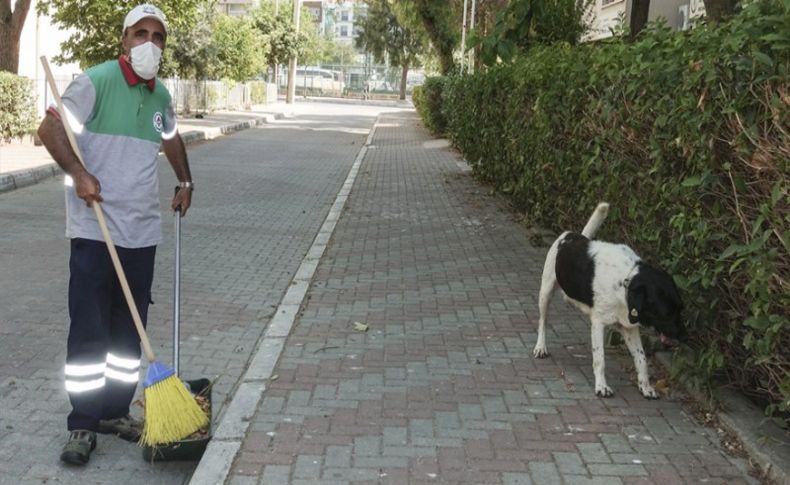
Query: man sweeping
point(121, 115)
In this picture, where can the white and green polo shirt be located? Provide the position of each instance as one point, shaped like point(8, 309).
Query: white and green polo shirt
point(119, 121)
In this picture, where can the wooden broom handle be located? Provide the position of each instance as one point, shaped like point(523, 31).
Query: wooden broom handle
point(116, 262)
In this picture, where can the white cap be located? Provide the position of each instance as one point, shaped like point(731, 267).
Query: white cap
point(144, 11)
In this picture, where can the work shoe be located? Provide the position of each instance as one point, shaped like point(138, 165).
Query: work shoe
point(77, 450)
point(126, 427)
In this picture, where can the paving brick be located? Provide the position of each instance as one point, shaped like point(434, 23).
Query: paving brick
point(544, 472)
point(243, 480)
point(274, 474)
point(584, 480)
point(641, 458)
point(338, 456)
point(381, 461)
point(593, 453)
point(308, 466)
point(367, 446)
point(569, 463)
point(615, 443)
point(616, 470)
point(516, 479)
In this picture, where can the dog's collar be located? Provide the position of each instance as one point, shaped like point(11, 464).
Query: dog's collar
point(633, 313)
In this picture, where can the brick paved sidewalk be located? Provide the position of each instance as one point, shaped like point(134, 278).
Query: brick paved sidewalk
point(442, 388)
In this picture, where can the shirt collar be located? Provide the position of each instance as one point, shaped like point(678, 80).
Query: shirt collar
point(131, 77)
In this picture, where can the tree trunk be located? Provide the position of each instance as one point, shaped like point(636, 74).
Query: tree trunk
point(446, 62)
point(403, 75)
point(439, 39)
point(717, 10)
point(10, 30)
point(638, 20)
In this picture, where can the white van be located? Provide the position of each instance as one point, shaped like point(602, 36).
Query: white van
point(315, 78)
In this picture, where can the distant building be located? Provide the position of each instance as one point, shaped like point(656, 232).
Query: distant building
point(334, 18)
point(317, 12)
point(610, 15)
point(343, 15)
point(237, 8)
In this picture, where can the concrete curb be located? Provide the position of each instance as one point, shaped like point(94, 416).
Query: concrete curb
point(22, 178)
point(763, 441)
point(30, 176)
point(210, 133)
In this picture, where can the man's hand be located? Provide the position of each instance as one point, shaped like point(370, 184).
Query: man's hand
point(87, 187)
point(182, 198)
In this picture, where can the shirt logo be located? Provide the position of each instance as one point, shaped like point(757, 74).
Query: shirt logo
point(158, 123)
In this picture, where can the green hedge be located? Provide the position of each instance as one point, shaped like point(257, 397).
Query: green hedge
point(17, 106)
point(427, 100)
point(687, 135)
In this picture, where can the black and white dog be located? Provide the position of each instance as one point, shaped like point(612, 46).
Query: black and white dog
point(611, 284)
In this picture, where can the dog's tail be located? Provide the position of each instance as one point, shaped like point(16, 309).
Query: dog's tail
point(596, 219)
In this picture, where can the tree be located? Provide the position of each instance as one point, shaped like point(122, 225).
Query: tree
point(717, 10)
point(237, 47)
point(195, 51)
point(279, 34)
point(639, 14)
point(524, 23)
point(337, 52)
point(440, 20)
point(98, 26)
point(382, 35)
point(485, 16)
point(309, 47)
point(11, 23)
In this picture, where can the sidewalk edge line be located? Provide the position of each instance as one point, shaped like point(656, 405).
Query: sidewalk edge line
point(214, 467)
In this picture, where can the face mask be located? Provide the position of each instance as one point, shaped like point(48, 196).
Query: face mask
point(145, 60)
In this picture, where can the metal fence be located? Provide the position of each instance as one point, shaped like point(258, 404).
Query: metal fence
point(188, 95)
point(349, 79)
point(338, 80)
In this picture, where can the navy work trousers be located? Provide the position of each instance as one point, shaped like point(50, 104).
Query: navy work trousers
point(103, 354)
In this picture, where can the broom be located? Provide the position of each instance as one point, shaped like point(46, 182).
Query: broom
point(171, 413)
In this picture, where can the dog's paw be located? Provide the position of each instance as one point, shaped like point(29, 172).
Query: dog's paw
point(648, 392)
point(540, 352)
point(604, 391)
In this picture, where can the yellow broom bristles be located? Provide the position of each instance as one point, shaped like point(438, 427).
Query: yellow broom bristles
point(171, 413)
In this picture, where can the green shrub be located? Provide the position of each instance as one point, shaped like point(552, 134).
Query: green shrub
point(17, 106)
point(428, 101)
point(258, 92)
point(418, 99)
point(212, 97)
point(686, 135)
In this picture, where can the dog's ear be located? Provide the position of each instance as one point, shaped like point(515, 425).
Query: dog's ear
point(637, 294)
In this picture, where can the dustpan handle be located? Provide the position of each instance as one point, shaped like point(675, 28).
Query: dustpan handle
point(177, 288)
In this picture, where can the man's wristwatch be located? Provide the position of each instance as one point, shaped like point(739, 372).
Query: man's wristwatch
point(187, 185)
